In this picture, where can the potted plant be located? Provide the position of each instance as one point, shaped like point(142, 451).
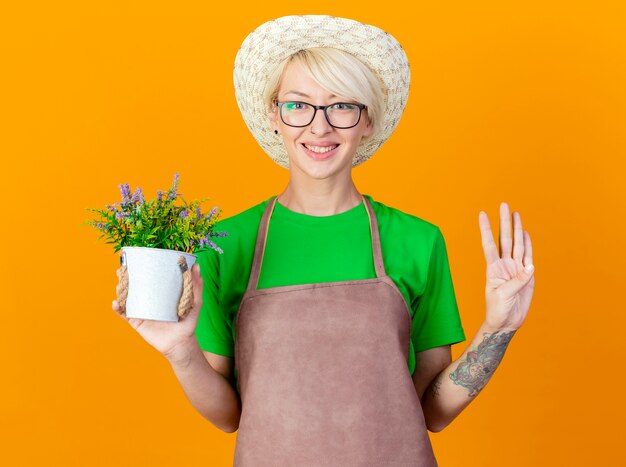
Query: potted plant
point(157, 239)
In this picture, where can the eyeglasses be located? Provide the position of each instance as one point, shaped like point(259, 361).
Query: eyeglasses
point(338, 115)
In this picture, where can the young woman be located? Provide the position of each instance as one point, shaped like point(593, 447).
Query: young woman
point(323, 332)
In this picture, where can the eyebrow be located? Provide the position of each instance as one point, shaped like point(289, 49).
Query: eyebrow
point(298, 93)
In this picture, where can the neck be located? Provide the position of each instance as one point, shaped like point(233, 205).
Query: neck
point(319, 197)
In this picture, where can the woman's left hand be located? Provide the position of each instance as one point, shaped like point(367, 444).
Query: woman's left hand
point(510, 284)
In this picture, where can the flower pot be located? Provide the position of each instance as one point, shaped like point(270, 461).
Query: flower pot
point(155, 282)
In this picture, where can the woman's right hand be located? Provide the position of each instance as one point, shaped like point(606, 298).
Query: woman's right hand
point(169, 338)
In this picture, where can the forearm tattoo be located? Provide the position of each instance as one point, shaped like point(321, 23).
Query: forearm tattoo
point(436, 386)
point(475, 371)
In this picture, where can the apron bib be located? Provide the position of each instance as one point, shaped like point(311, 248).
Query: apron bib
point(322, 372)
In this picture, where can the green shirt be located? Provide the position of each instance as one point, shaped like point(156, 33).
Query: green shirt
point(304, 249)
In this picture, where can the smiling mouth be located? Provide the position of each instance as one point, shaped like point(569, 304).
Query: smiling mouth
point(320, 149)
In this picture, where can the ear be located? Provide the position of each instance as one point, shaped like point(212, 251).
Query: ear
point(273, 116)
point(369, 129)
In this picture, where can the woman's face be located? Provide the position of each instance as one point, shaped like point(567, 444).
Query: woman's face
point(301, 143)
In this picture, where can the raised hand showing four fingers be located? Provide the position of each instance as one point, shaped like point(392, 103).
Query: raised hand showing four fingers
point(510, 271)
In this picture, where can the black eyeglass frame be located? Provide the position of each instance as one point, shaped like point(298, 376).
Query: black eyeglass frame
point(320, 107)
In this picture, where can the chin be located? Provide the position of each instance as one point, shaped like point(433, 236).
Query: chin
point(319, 170)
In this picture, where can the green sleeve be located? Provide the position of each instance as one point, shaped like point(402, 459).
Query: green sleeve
point(213, 330)
point(436, 321)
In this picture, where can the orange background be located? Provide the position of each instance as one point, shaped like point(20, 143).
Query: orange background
point(523, 103)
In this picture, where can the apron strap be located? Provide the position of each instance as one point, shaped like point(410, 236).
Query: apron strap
point(379, 265)
point(259, 248)
point(261, 238)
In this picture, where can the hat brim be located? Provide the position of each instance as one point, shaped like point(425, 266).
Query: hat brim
point(268, 45)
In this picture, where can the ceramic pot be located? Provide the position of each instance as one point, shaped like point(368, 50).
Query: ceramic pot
point(155, 282)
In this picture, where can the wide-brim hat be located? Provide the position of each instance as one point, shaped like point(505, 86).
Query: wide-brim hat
point(269, 44)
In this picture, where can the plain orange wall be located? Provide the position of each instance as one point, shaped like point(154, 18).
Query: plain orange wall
point(517, 102)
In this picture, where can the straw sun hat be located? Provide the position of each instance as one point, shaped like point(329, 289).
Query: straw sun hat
point(268, 45)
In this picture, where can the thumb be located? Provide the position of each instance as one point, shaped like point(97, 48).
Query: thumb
point(514, 285)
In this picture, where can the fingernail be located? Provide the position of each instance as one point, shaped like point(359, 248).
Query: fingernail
point(529, 268)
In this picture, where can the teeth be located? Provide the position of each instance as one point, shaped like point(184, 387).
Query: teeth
point(320, 149)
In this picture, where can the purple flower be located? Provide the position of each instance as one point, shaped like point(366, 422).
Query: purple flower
point(204, 241)
point(214, 246)
point(183, 214)
point(172, 192)
point(211, 214)
point(125, 191)
point(198, 213)
point(138, 196)
point(160, 195)
point(111, 207)
point(220, 234)
point(121, 215)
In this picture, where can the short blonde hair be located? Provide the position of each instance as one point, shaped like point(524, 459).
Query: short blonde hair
point(338, 72)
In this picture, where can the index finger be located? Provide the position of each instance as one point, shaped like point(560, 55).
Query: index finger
point(528, 249)
point(118, 311)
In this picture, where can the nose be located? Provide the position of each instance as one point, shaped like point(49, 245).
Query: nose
point(319, 125)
